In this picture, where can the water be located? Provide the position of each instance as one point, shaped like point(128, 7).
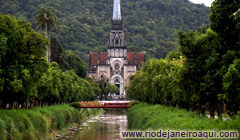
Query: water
point(104, 127)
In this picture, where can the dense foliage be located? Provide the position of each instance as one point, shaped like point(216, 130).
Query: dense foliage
point(37, 123)
point(27, 77)
point(150, 25)
point(67, 60)
point(157, 81)
point(154, 117)
point(203, 73)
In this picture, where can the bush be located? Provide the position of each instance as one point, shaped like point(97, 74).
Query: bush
point(132, 103)
point(75, 104)
point(79, 104)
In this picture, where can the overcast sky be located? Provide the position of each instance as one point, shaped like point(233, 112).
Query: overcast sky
point(206, 2)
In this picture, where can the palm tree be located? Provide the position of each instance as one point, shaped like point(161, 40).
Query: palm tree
point(46, 20)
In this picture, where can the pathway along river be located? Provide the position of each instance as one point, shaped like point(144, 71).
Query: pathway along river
point(103, 127)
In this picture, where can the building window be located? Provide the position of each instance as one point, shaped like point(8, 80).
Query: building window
point(112, 53)
point(116, 53)
point(116, 42)
point(117, 81)
point(121, 53)
point(116, 66)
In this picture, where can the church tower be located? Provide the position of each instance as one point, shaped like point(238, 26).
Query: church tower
point(116, 64)
point(117, 47)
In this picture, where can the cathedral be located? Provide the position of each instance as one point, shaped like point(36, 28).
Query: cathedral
point(116, 64)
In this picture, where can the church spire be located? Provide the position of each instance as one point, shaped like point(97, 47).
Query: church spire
point(117, 10)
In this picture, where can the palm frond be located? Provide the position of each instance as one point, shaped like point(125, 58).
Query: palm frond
point(46, 16)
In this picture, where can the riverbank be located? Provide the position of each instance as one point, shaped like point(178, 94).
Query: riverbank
point(40, 123)
point(143, 117)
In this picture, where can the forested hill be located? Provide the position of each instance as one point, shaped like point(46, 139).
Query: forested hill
point(151, 25)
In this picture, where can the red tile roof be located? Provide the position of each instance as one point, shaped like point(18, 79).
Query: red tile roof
point(140, 57)
point(103, 57)
point(131, 56)
point(93, 58)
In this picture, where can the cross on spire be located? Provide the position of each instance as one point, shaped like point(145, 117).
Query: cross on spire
point(117, 10)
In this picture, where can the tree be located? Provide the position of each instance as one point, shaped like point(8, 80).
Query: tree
point(103, 86)
point(25, 75)
point(223, 21)
point(22, 60)
point(46, 19)
point(67, 60)
point(231, 84)
point(106, 88)
point(111, 88)
point(57, 52)
point(74, 62)
point(158, 82)
point(201, 79)
point(94, 86)
point(224, 24)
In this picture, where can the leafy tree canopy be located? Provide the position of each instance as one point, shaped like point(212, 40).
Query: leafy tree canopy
point(202, 71)
point(26, 76)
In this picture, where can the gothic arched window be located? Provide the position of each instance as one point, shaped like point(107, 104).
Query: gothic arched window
point(117, 81)
point(117, 42)
point(112, 53)
point(116, 66)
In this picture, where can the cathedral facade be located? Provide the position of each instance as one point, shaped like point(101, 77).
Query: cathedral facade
point(116, 64)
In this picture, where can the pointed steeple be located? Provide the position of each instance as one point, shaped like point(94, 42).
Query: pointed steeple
point(117, 10)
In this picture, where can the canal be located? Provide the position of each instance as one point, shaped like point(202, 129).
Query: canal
point(106, 126)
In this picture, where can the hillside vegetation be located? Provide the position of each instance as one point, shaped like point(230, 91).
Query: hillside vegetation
point(150, 25)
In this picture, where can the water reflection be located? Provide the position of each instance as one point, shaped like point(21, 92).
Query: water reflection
point(104, 127)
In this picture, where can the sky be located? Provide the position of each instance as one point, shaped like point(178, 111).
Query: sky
point(206, 2)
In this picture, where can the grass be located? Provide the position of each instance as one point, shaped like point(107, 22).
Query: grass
point(155, 117)
point(37, 123)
